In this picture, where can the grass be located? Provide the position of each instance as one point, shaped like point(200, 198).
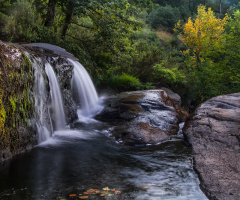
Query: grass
point(164, 35)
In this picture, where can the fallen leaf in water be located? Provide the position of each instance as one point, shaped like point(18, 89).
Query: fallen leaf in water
point(102, 195)
point(87, 192)
point(144, 187)
point(92, 191)
point(113, 189)
point(117, 192)
point(83, 197)
point(72, 195)
point(106, 189)
point(105, 192)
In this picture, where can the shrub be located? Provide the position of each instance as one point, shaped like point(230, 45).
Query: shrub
point(169, 76)
point(164, 17)
point(22, 23)
point(125, 82)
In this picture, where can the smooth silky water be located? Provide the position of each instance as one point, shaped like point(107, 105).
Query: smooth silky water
point(74, 161)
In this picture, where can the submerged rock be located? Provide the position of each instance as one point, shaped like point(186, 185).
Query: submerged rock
point(213, 131)
point(142, 117)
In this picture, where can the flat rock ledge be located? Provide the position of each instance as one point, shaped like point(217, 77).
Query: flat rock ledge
point(213, 131)
point(142, 117)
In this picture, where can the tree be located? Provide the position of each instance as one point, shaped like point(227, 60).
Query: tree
point(227, 58)
point(164, 17)
point(203, 35)
point(51, 7)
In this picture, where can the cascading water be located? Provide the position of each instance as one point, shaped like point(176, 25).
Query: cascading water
point(56, 99)
point(85, 93)
point(40, 108)
point(41, 114)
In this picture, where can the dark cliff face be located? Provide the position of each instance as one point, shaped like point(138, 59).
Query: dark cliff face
point(18, 130)
point(213, 132)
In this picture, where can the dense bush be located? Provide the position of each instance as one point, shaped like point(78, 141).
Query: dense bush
point(127, 82)
point(23, 22)
point(124, 82)
point(164, 17)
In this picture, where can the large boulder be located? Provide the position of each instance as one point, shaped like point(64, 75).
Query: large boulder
point(142, 117)
point(213, 131)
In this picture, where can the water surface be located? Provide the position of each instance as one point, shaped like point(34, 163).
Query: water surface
point(74, 161)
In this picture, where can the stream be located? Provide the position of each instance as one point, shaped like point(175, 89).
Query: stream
point(80, 160)
point(74, 162)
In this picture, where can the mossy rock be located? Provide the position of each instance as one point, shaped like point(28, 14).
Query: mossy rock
point(16, 100)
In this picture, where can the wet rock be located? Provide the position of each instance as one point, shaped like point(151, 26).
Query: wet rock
point(213, 131)
point(58, 51)
point(174, 96)
point(142, 117)
point(57, 57)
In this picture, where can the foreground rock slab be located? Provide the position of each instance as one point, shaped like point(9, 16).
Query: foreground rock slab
point(214, 134)
point(142, 117)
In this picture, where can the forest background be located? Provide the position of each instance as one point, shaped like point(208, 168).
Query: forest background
point(189, 46)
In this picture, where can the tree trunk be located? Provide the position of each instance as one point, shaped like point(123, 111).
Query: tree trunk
point(220, 7)
point(69, 14)
point(50, 13)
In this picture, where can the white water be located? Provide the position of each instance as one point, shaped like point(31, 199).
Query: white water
point(43, 120)
point(85, 93)
point(58, 114)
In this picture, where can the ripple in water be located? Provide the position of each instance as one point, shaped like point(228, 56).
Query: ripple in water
point(74, 161)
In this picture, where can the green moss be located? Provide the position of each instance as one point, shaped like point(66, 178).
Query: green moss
point(2, 112)
point(16, 106)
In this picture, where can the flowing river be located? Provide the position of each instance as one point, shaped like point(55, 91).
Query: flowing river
point(83, 163)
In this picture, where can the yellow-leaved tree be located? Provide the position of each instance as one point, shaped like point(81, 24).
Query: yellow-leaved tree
point(202, 35)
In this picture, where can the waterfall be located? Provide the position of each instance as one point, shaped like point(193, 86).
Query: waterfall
point(56, 99)
point(40, 109)
point(41, 114)
point(84, 92)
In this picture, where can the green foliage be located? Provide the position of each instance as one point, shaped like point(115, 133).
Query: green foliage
point(226, 59)
point(164, 17)
point(4, 7)
point(171, 76)
point(119, 50)
point(212, 59)
point(127, 82)
point(22, 23)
